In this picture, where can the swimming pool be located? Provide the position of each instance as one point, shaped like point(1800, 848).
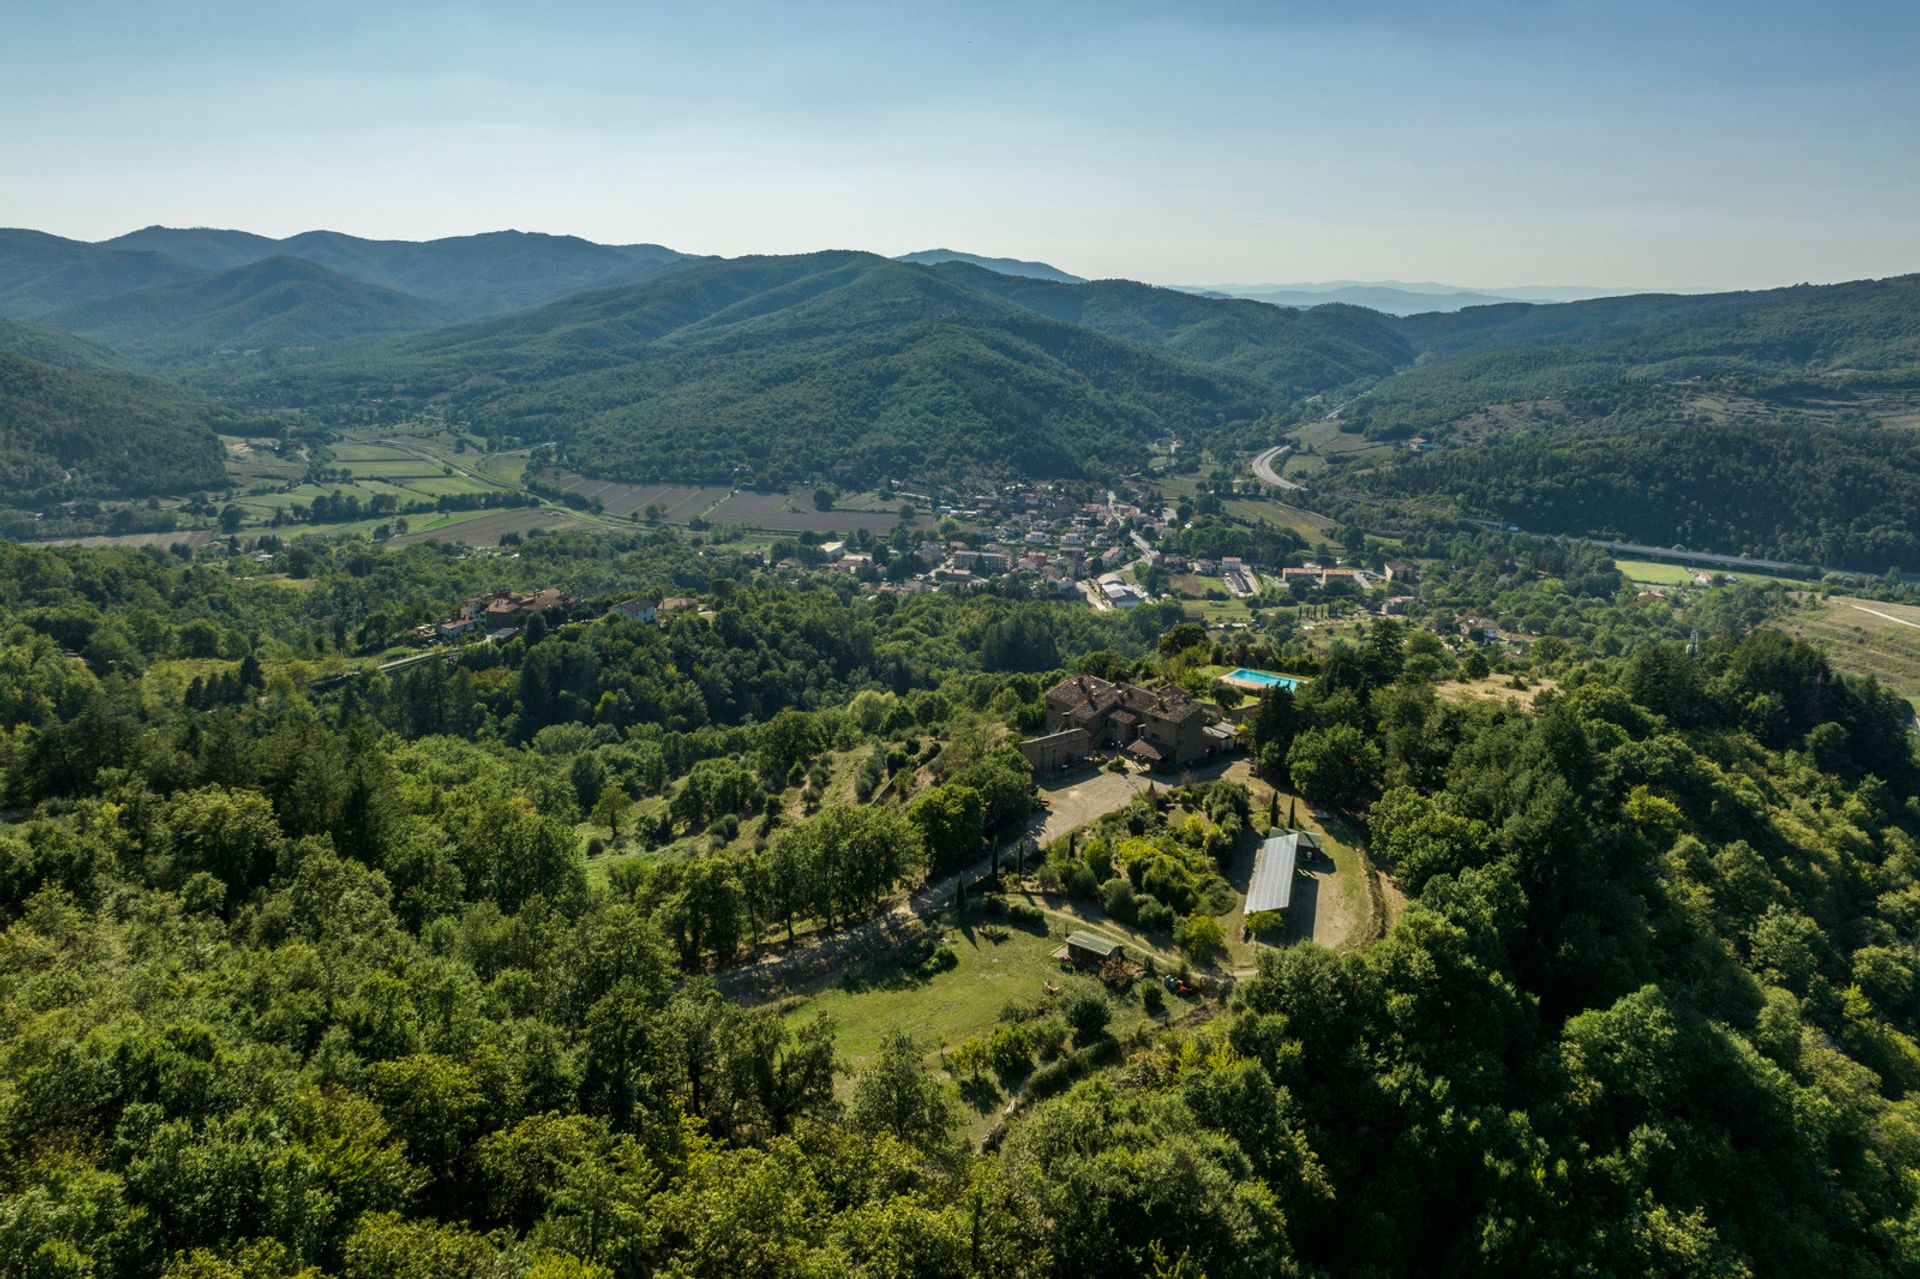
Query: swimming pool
point(1265, 678)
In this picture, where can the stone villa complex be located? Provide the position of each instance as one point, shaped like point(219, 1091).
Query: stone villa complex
point(1160, 727)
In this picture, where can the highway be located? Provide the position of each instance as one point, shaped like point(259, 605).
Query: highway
point(1263, 467)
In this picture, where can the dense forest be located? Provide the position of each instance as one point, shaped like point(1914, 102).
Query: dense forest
point(1807, 492)
point(309, 981)
point(71, 432)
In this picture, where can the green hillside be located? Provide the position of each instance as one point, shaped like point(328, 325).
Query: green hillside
point(70, 433)
point(779, 368)
point(50, 346)
point(1299, 351)
point(1740, 422)
point(280, 302)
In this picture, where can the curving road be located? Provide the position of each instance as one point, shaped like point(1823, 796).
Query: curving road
point(1263, 467)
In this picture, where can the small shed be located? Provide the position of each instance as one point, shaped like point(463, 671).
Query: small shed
point(1091, 948)
point(1272, 885)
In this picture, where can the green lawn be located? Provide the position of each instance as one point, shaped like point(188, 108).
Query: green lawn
point(945, 1008)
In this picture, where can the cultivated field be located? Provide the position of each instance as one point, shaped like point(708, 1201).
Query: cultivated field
point(790, 513)
point(1864, 637)
point(483, 528)
point(189, 537)
point(678, 503)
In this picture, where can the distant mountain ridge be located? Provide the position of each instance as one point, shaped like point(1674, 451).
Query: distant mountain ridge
point(277, 302)
point(1403, 298)
point(1001, 266)
point(472, 276)
point(49, 279)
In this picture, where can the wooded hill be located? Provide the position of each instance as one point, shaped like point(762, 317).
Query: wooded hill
point(852, 366)
point(67, 432)
point(277, 302)
point(1740, 422)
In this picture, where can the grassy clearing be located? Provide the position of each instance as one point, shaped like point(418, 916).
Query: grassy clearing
point(944, 1008)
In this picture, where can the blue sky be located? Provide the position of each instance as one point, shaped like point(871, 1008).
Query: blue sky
point(1685, 144)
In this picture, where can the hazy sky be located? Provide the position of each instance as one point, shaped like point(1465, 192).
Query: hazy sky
point(1685, 143)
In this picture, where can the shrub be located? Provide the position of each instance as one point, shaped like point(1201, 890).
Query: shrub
point(1152, 997)
point(1117, 896)
point(1010, 1051)
point(1117, 974)
point(1026, 914)
point(1153, 914)
point(596, 846)
point(1088, 1013)
point(1081, 883)
point(1048, 1035)
point(1201, 937)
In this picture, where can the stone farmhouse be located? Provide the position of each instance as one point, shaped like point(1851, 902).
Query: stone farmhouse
point(1161, 727)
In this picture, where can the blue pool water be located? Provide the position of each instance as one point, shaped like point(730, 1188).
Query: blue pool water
point(1264, 677)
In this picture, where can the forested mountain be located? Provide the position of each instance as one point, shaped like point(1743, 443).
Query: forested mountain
point(277, 302)
point(50, 346)
point(1864, 327)
point(42, 273)
point(1299, 352)
point(1004, 266)
point(1737, 422)
point(469, 275)
point(842, 364)
point(208, 248)
point(70, 433)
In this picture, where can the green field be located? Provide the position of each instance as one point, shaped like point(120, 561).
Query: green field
point(1657, 574)
point(367, 451)
point(405, 468)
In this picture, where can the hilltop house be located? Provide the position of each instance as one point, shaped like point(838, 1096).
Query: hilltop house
point(1160, 727)
point(504, 609)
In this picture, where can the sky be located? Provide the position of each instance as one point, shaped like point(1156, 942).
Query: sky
point(1686, 144)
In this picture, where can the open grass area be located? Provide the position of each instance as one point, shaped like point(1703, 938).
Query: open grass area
point(944, 1007)
point(367, 451)
point(403, 468)
point(1863, 637)
point(1654, 573)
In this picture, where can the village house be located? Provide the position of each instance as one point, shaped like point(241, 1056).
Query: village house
point(640, 608)
point(1401, 571)
point(504, 610)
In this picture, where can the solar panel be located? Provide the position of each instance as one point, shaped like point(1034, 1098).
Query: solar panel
point(1272, 886)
